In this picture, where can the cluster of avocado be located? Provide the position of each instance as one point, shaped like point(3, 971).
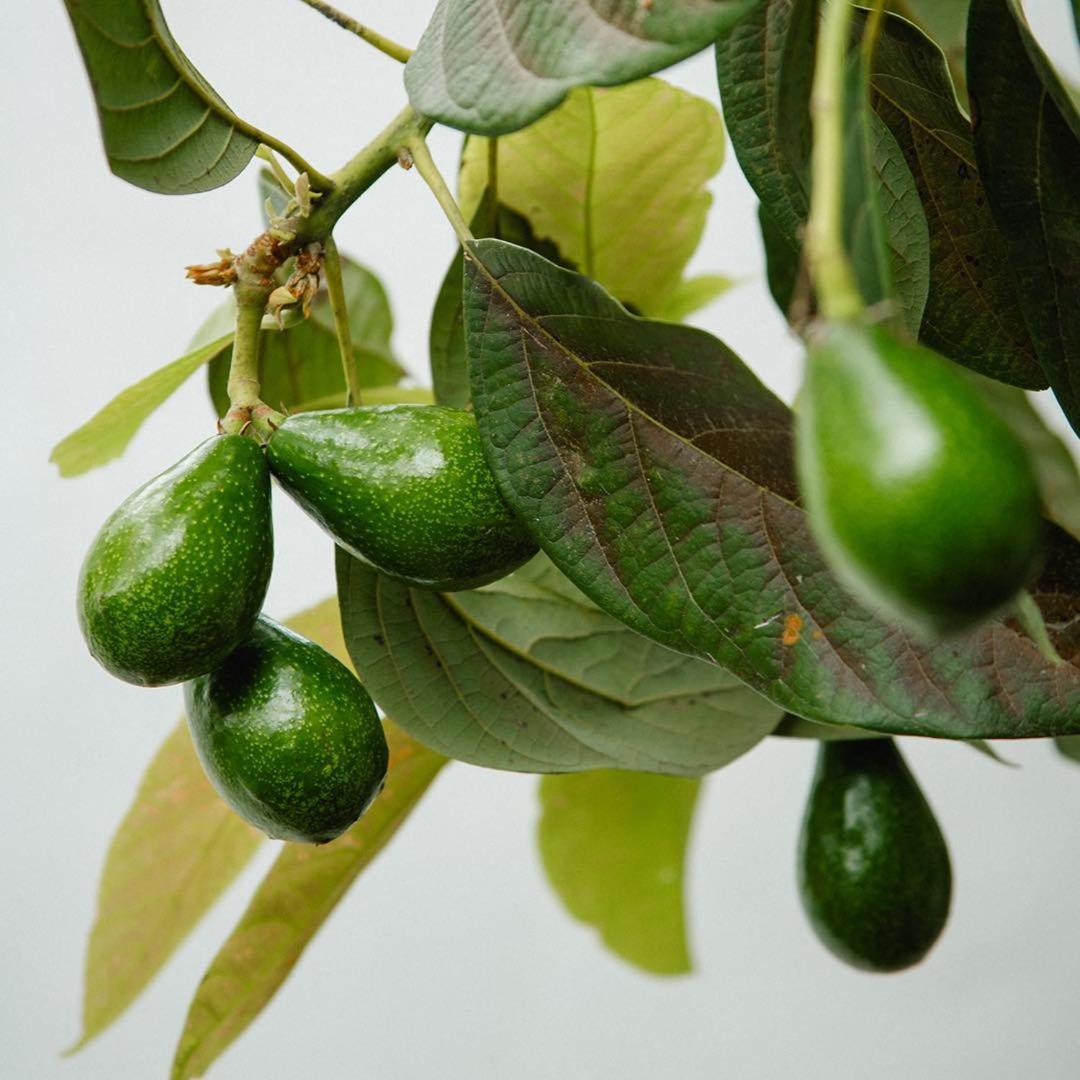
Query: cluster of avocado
point(172, 589)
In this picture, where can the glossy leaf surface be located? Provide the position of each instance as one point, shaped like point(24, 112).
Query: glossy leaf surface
point(292, 902)
point(654, 470)
point(616, 180)
point(164, 127)
point(527, 675)
point(1027, 140)
point(488, 67)
point(613, 845)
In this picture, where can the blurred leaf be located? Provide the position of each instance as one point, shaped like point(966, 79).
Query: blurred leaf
point(616, 180)
point(526, 674)
point(1027, 141)
point(301, 364)
point(1069, 747)
point(690, 295)
point(655, 471)
point(490, 68)
point(613, 846)
point(106, 435)
point(164, 127)
point(972, 313)
point(176, 851)
point(292, 902)
point(945, 22)
point(795, 727)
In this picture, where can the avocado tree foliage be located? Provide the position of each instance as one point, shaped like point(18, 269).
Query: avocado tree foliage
point(601, 548)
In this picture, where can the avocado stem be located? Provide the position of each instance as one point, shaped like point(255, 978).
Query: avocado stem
point(420, 156)
point(378, 41)
point(830, 270)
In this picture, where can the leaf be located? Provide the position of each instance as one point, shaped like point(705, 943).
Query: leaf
point(1027, 141)
point(613, 846)
point(490, 68)
point(655, 471)
point(765, 71)
point(163, 126)
point(300, 367)
point(616, 179)
point(176, 851)
point(106, 435)
point(945, 23)
point(690, 295)
point(1069, 747)
point(972, 311)
point(292, 902)
point(446, 338)
point(783, 266)
point(527, 675)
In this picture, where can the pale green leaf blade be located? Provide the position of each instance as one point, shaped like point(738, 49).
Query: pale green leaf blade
point(690, 295)
point(295, 898)
point(106, 435)
point(490, 68)
point(613, 845)
point(176, 851)
point(163, 126)
point(606, 176)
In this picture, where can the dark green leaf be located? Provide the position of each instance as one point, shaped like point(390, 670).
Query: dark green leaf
point(1069, 747)
point(613, 845)
point(783, 266)
point(1027, 140)
point(163, 126)
point(655, 471)
point(617, 180)
point(292, 902)
point(972, 312)
point(488, 67)
point(944, 22)
point(527, 675)
point(300, 367)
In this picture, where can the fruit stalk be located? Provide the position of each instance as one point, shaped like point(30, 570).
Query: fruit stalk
point(365, 33)
point(838, 296)
point(425, 165)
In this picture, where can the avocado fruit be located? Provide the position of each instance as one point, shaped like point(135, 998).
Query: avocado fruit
point(921, 498)
point(874, 872)
point(404, 488)
point(288, 736)
point(176, 576)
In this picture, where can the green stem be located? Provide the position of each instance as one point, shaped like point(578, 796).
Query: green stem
point(493, 183)
point(426, 167)
point(267, 155)
point(243, 385)
point(830, 270)
point(335, 286)
point(1031, 619)
point(347, 22)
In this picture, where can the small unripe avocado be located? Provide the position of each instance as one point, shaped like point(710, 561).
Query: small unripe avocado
point(288, 736)
point(921, 498)
point(406, 489)
point(874, 873)
point(177, 574)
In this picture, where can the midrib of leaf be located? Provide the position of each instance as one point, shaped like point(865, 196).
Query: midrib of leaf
point(590, 179)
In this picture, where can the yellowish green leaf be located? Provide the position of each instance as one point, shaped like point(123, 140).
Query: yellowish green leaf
point(613, 845)
point(299, 892)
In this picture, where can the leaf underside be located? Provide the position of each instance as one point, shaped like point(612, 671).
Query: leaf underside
point(528, 675)
point(164, 127)
point(655, 470)
point(488, 67)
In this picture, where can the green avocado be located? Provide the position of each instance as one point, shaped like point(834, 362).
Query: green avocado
point(406, 489)
point(177, 574)
point(874, 873)
point(288, 736)
point(921, 498)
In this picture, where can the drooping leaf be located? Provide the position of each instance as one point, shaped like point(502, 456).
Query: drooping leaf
point(106, 435)
point(616, 180)
point(446, 338)
point(613, 845)
point(655, 470)
point(945, 23)
point(164, 127)
point(488, 67)
point(783, 266)
point(527, 675)
point(176, 851)
point(1069, 747)
point(1027, 141)
point(972, 311)
point(885, 229)
point(292, 902)
point(300, 367)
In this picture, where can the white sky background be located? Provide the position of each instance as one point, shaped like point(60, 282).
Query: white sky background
point(450, 958)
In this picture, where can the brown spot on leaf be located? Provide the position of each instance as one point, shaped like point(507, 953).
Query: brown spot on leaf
point(793, 625)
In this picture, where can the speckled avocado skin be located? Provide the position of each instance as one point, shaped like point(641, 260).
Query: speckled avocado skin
point(874, 873)
point(176, 576)
point(288, 736)
point(921, 498)
point(405, 488)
